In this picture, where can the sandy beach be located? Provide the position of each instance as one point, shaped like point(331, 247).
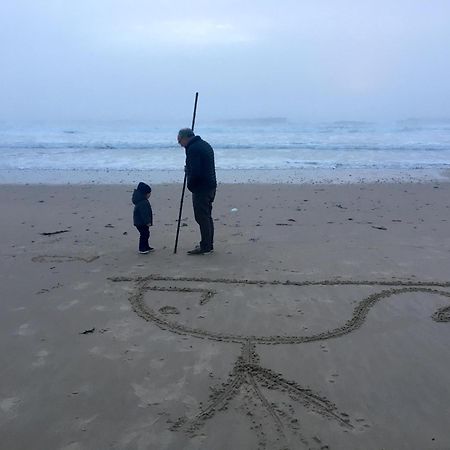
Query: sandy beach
point(321, 321)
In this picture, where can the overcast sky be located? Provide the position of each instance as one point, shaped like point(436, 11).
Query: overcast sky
point(303, 59)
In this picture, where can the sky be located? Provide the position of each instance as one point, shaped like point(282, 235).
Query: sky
point(300, 59)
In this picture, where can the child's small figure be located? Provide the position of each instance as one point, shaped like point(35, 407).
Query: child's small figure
point(143, 215)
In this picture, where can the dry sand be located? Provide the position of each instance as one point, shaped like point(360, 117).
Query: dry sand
point(320, 322)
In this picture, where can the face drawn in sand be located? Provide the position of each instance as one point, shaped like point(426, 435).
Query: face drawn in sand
point(248, 376)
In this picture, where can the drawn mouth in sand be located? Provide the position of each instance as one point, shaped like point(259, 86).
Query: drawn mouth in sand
point(204, 301)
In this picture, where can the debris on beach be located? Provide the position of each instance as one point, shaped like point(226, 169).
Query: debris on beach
point(89, 331)
point(51, 233)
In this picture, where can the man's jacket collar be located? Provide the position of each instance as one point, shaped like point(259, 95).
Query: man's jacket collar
point(193, 140)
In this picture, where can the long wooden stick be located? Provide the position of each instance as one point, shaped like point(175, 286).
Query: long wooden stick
point(184, 182)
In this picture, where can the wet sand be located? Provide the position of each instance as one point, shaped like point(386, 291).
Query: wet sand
point(321, 320)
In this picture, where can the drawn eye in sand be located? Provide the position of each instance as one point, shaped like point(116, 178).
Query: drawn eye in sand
point(270, 313)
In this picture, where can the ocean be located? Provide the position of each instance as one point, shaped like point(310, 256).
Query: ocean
point(260, 150)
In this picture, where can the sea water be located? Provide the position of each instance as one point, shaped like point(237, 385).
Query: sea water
point(260, 150)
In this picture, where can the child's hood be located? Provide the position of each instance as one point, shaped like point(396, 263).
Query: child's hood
point(138, 197)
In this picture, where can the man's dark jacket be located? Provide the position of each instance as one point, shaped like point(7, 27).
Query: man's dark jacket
point(142, 214)
point(200, 168)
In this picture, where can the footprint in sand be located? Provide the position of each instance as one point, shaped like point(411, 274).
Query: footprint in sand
point(8, 405)
point(81, 285)
point(73, 446)
point(67, 305)
point(41, 358)
point(25, 330)
point(98, 308)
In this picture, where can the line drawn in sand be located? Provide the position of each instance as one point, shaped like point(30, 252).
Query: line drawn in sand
point(249, 377)
point(63, 258)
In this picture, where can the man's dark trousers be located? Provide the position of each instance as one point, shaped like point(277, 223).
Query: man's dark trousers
point(202, 202)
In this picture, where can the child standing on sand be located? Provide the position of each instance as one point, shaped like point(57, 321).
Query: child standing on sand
point(143, 215)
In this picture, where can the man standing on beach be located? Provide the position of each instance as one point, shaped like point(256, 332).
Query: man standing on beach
point(201, 181)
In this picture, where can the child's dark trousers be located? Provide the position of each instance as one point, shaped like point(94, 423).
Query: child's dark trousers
point(144, 235)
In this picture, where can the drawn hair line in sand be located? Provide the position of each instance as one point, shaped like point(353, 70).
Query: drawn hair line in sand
point(248, 374)
point(63, 258)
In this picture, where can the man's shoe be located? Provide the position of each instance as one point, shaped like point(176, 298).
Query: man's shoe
point(199, 251)
point(149, 250)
